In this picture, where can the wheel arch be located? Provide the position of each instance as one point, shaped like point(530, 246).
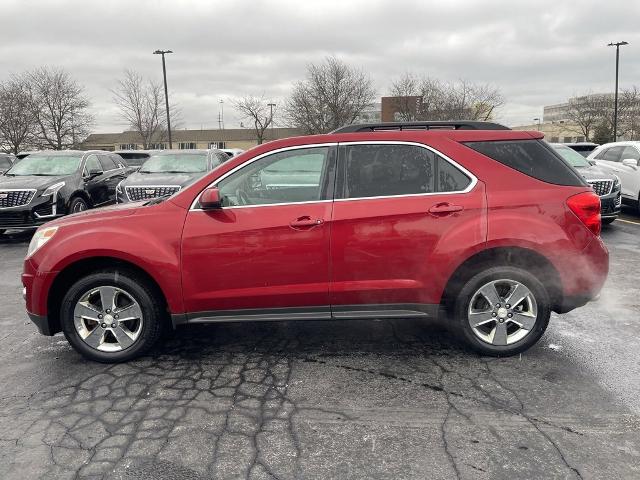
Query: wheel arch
point(527, 259)
point(82, 267)
point(79, 193)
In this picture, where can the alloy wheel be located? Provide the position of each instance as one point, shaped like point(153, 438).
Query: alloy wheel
point(502, 312)
point(108, 319)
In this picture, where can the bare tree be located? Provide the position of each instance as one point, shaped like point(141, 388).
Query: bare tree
point(17, 122)
point(406, 97)
point(257, 111)
point(427, 98)
point(141, 104)
point(333, 94)
point(60, 108)
point(588, 111)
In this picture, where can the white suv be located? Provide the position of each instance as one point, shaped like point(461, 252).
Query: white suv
point(623, 159)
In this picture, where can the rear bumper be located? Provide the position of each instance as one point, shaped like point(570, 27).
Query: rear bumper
point(43, 324)
point(584, 277)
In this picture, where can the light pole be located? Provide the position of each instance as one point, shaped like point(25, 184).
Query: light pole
point(166, 94)
point(271, 107)
point(537, 120)
point(615, 106)
point(221, 122)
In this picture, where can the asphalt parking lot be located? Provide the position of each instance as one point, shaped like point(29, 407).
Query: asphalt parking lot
point(380, 399)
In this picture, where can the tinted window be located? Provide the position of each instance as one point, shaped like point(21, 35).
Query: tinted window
point(285, 177)
point(4, 162)
point(450, 179)
point(630, 152)
point(107, 163)
point(385, 170)
point(531, 157)
point(612, 154)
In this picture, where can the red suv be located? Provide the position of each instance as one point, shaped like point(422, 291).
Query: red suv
point(486, 225)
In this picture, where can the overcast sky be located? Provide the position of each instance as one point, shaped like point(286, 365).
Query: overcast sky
point(537, 53)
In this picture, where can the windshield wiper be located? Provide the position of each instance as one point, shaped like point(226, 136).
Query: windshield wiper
point(155, 201)
point(176, 171)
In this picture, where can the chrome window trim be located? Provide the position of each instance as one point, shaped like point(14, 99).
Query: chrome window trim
point(255, 159)
point(32, 190)
point(471, 186)
point(179, 187)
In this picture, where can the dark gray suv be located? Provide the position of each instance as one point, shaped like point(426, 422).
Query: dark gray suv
point(605, 184)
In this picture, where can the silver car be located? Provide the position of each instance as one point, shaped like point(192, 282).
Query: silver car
point(622, 159)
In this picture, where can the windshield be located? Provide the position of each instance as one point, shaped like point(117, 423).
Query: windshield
point(175, 163)
point(46, 165)
point(571, 156)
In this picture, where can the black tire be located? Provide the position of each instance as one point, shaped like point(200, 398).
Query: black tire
point(2, 231)
point(155, 317)
point(608, 221)
point(78, 204)
point(460, 309)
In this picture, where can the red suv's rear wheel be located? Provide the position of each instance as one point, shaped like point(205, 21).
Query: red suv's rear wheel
point(502, 311)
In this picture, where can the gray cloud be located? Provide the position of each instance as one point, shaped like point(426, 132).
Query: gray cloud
point(538, 53)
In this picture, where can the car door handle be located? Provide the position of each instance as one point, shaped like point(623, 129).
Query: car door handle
point(445, 208)
point(306, 222)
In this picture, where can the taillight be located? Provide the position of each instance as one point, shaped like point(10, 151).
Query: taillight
point(586, 206)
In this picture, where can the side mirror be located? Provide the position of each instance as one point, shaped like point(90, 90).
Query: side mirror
point(630, 162)
point(93, 173)
point(211, 199)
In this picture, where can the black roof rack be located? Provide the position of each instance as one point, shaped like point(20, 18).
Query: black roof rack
point(444, 125)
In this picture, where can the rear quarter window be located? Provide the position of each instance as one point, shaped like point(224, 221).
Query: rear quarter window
point(531, 157)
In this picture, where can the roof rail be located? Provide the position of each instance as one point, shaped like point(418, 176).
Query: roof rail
point(443, 125)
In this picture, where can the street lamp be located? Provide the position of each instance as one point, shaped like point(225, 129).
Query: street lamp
point(166, 94)
point(271, 107)
point(615, 107)
point(538, 121)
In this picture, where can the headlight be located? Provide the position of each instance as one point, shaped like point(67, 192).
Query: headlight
point(119, 186)
point(616, 182)
point(42, 236)
point(53, 189)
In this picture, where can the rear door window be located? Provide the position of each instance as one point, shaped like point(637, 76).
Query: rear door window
point(386, 170)
point(531, 157)
point(630, 152)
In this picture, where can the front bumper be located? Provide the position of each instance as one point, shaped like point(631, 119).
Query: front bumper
point(42, 324)
point(38, 212)
point(610, 204)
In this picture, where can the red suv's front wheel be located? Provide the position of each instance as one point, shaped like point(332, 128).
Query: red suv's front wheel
point(502, 311)
point(111, 316)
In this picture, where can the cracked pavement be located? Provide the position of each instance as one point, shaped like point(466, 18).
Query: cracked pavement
point(359, 399)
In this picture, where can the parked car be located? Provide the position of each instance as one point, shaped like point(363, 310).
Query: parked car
point(603, 182)
point(166, 172)
point(135, 158)
point(47, 185)
point(583, 148)
point(6, 162)
point(623, 159)
point(232, 152)
point(488, 225)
